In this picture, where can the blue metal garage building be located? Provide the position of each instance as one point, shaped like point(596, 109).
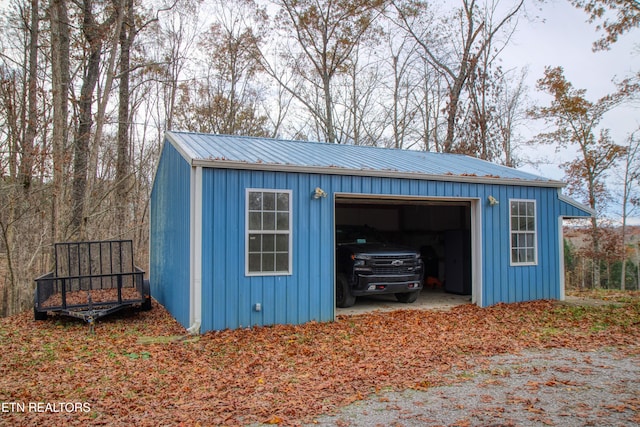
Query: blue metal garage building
point(243, 229)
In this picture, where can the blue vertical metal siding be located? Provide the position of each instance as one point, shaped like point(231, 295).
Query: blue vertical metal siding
point(169, 260)
point(229, 296)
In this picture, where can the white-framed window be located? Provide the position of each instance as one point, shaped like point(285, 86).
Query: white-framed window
point(522, 223)
point(268, 232)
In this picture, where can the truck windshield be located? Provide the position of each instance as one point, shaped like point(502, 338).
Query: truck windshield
point(360, 235)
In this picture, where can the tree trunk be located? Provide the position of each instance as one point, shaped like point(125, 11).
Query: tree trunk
point(127, 34)
point(82, 140)
point(328, 102)
point(26, 165)
point(60, 95)
point(93, 33)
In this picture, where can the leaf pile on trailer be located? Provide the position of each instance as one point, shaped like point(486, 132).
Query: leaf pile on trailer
point(91, 280)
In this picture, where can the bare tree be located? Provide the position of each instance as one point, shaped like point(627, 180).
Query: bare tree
point(455, 50)
point(174, 39)
point(123, 182)
point(94, 33)
point(325, 34)
point(60, 82)
point(405, 82)
point(26, 164)
point(511, 111)
point(22, 167)
point(226, 99)
point(630, 196)
point(359, 120)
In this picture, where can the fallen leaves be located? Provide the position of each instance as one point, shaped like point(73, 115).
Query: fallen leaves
point(141, 368)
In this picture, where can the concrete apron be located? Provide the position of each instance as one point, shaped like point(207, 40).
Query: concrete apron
point(429, 299)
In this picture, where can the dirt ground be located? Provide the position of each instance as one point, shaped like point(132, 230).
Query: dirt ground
point(556, 387)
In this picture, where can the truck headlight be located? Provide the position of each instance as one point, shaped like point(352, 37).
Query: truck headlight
point(359, 259)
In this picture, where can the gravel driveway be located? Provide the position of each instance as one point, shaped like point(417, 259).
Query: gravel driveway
point(557, 387)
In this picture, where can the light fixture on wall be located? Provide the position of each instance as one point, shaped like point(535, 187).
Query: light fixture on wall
point(318, 193)
point(492, 201)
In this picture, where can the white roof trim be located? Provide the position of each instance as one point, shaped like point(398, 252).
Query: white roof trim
point(229, 164)
point(188, 155)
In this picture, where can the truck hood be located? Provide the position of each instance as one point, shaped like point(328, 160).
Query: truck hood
point(379, 249)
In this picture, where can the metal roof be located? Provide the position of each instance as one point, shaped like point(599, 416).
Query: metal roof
point(240, 152)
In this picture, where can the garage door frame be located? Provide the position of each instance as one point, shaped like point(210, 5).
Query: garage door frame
point(475, 230)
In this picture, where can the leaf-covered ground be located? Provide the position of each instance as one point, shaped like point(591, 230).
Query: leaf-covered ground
point(133, 370)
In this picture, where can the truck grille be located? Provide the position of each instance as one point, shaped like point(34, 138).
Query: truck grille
point(393, 270)
point(393, 265)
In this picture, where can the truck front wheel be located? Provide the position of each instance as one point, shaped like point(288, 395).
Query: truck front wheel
point(344, 298)
point(407, 297)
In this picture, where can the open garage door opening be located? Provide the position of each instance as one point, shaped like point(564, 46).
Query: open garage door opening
point(440, 231)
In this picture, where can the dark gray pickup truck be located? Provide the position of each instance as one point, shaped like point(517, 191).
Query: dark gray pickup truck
point(367, 265)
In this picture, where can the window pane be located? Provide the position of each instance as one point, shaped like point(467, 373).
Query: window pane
point(255, 221)
point(529, 243)
point(282, 242)
point(531, 224)
point(268, 243)
point(522, 255)
point(530, 209)
point(522, 224)
point(268, 231)
point(514, 255)
point(514, 240)
point(269, 200)
point(283, 201)
point(269, 221)
point(514, 208)
point(268, 262)
point(283, 221)
point(522, 208)
point(254, 262)
point(282, 262)
point(530, 257)
point(255, 242)
point(255, 201)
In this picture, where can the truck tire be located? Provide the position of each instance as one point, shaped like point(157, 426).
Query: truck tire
point(407, 297)
point(344, 298)
point(146, 293)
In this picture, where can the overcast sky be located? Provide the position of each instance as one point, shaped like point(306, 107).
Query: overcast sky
point(562, 37)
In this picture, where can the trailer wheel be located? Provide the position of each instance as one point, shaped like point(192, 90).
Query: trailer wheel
point(407, 297)
point(39, 315)
point(146, 293)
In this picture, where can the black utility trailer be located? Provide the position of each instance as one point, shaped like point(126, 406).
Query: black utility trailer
point(91, 280)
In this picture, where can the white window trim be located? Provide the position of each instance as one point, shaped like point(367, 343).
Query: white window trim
point(535, 234)
point(247, 231)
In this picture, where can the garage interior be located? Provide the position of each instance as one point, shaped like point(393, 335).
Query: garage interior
point(439, 229)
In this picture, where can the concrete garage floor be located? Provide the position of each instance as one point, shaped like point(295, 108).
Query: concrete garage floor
point(436, 299)
point(429, 299)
